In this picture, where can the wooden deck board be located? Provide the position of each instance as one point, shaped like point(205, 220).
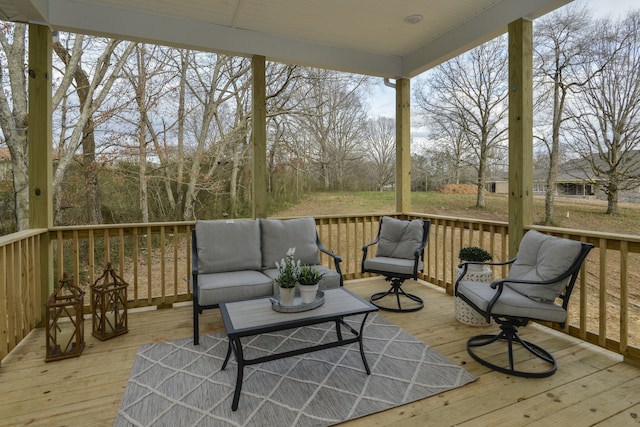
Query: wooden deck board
point(592, 386)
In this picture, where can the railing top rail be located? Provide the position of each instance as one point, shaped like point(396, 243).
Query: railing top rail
point(21, 235)
point(586, 233)
point(116, 226)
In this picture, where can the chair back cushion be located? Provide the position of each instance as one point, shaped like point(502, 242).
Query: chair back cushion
point(228, 245)
point(399, 238)
point(280, 235)
point(543, 257)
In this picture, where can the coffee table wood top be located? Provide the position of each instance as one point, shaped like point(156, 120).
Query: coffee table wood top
point(256, 316)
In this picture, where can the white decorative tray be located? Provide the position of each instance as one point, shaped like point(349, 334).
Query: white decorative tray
point(298, 305)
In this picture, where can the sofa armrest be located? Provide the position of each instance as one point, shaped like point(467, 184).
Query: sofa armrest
point(336, 258)
point(194, 265)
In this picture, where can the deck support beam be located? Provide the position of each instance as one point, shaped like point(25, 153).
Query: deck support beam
point(39, 157)
point(259, 138)
point(520, 131)
point(403, 146)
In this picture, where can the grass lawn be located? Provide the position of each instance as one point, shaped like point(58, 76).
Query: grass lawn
point(570, 213)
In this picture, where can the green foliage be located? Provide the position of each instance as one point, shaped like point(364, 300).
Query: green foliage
point(474, 253)
point(309, 275)
point(289, 270)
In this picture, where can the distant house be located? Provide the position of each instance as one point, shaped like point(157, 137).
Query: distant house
point(498, 186)
point(574, 180)
point(570, 182)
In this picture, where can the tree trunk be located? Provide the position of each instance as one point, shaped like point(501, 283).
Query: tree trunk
point(91, 170)
point(20, 170)
point(612, 199)
point(482, 170)
point(14, 117)
point(141, 95)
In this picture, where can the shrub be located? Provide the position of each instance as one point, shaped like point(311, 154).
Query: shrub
point(474, 253)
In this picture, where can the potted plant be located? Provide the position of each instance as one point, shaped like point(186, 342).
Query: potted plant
point(309, 278)
point(475, 273)
point(289, 270)
point(474, 253)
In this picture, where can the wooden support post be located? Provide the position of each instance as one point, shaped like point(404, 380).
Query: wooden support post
point(403, 146)
point(520, 131)
point(40, 158)
point(259, 128)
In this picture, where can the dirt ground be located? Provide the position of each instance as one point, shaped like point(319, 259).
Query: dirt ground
point(459, 189)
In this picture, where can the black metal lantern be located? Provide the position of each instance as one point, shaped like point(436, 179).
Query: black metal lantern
point(65, 321)
point(109, 305)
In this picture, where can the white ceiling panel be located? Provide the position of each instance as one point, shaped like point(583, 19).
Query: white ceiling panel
point(361, 36)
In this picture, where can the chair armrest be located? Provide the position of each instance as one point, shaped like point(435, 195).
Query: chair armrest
point(465, 265)
point(365, 248)
point(365, 252)
point(336, 258)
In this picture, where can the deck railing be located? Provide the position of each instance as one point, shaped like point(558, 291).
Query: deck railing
point(20, 291)
point(155, 260)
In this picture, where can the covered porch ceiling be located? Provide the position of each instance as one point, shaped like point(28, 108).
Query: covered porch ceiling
point(370, 37)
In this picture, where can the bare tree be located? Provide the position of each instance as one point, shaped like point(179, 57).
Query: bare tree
point(470, 92)
point(152, 82)
point(14, 114)
point(608, 111)
point(212, 81)
point(563, 47)
point(93, 88)
point(380, 151)
point(330, 125)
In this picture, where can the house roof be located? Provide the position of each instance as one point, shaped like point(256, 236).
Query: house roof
point(361, 36)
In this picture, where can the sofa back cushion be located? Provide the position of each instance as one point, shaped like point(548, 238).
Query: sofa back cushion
point(543, 257)
point(280, 235)
point(399, 238)
point(228, 245)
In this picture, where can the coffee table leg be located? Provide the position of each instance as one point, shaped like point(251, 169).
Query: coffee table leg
point(237, 346)
point(364, 359)
point(339, 329)
point(228, 356)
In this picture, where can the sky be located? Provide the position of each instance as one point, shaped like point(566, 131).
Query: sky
point(383, 97)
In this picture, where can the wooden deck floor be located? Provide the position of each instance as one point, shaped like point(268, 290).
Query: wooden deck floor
point(591, 387)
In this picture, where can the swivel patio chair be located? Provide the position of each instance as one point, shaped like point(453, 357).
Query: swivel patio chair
point(543, 272)
point(399, 256)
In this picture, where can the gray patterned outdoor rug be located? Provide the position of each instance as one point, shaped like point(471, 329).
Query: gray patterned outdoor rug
point(175, 383)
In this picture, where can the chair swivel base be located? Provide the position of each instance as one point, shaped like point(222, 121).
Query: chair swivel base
point(400, 295)
point(511, 337)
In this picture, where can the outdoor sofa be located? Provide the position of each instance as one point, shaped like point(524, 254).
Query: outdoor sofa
point(235, 259)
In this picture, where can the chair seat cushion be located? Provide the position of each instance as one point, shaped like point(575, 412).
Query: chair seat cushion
point(215, 288)
point(511, 303)
point(391, 265)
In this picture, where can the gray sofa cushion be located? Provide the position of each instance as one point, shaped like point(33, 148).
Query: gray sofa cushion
point(399, 238)
point(280, 235)
point(232, 286)
point(228, 245)
point(542, 257)
point(510, 303)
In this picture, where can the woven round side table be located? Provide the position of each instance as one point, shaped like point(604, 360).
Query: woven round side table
point(464, 313)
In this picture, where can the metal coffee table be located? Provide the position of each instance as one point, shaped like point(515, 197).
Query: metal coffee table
point(255, 317)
